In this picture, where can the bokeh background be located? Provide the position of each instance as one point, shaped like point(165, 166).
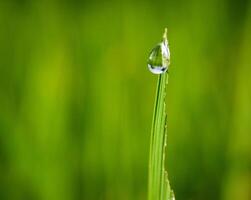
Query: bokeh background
point(76, 98)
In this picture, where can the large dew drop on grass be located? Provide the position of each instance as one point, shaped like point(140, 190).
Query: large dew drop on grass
point(159, 58)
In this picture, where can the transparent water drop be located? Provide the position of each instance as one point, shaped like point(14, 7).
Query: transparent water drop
point(159, 58)
point(172, 196)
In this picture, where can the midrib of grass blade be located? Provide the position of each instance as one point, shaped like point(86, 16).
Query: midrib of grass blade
point(159, 188)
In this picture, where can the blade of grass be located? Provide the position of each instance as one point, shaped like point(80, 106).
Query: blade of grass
point(159, 188)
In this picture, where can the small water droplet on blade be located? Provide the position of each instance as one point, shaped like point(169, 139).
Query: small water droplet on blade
point(172, 196)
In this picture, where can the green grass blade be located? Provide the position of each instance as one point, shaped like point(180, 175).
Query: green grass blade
point(159, 188)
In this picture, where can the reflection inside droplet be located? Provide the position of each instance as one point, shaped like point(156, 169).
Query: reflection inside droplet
point(157, 69)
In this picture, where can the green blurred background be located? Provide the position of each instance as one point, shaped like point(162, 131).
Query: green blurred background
point(76, 98)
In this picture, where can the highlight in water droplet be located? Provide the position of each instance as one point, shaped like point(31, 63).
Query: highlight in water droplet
point(159, 58)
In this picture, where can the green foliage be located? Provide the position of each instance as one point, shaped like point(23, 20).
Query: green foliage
point(76, 98)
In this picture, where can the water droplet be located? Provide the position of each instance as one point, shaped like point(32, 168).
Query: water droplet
point(172, 197)
point(159, 58)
